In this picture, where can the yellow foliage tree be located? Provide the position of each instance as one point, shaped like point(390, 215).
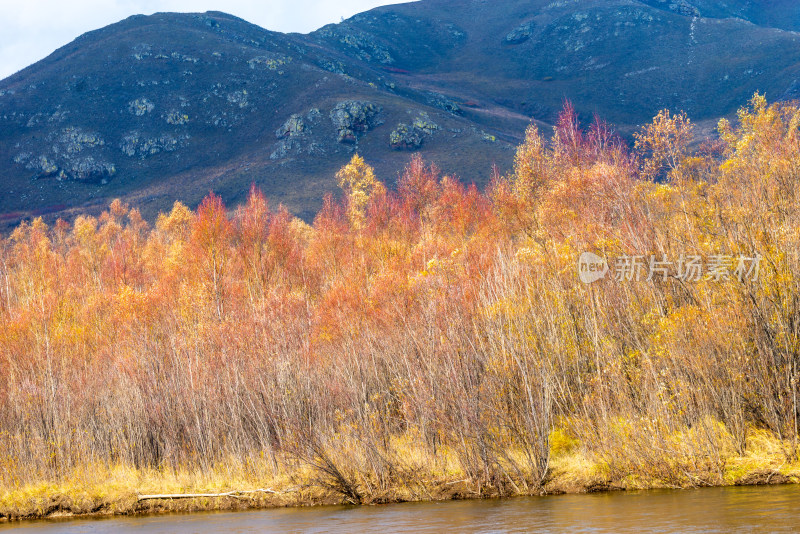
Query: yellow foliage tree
point(666, 140)
point(530, 166)
point(358, 181)
point(177, 222)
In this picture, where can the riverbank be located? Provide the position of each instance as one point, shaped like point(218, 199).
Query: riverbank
point(117, 490)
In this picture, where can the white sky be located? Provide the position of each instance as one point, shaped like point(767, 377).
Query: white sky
point(31, 29)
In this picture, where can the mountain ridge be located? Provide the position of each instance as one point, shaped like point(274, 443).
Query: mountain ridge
point(166, 107)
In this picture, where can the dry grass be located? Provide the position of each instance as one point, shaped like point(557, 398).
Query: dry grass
point(574, 468)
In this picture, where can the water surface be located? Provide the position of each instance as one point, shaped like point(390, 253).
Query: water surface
point(743, 509)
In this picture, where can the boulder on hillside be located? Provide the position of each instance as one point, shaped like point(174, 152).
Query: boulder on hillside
point(354, 117)
point(520, 34)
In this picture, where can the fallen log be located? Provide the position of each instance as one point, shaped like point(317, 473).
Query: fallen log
point(235, 494)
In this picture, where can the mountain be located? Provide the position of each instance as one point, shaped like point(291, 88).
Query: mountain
point(170, 106)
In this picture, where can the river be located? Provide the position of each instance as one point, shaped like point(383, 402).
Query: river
point(737, 509)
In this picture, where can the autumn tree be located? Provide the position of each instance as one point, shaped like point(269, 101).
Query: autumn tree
point(211, 233)
point(358, 181)
point(664, 143)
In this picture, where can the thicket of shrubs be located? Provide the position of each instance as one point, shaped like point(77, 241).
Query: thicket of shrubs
point(434, 330)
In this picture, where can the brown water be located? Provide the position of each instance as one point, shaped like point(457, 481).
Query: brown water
point(747, 509)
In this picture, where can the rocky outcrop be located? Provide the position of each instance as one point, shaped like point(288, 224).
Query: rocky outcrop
point(276, 62)
point(135, 144)
point(294, 126)
point(520, 34)
point(140, 106)
point(352, 118)
point(295, 136)
point(83, 169)
point(406, 137)
point(684, 8)
point(74, 154)
point(362, 45)
point(177, 118)
point(424, 124)
point(442, 102)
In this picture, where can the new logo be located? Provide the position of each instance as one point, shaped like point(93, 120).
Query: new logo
point(592, 268)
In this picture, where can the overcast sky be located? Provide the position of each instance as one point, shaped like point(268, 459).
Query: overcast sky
point(32, 29)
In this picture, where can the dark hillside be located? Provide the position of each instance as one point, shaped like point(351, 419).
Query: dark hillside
point(166, 107)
